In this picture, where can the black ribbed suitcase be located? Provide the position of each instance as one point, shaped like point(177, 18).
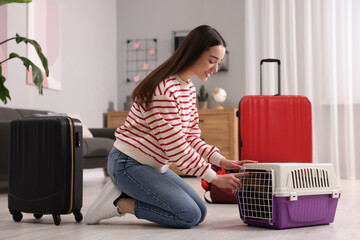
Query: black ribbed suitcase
point(45, 169)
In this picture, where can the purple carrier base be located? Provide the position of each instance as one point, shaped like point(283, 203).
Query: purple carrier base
point(308, 210)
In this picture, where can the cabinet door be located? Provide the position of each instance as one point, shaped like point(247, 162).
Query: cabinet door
point(116, 118)
point(215, 131)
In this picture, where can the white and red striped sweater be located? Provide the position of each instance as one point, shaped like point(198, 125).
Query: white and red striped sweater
point(168, 132)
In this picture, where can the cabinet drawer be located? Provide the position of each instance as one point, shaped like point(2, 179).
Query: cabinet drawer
point(214, 123)
point(219, 141)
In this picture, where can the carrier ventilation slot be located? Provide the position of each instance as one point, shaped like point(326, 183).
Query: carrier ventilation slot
point(310, 178)
point(255, 196)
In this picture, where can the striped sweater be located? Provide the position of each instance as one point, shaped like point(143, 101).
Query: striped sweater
point(167, 132)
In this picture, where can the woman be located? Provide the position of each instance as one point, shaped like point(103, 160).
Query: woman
point(162, 128)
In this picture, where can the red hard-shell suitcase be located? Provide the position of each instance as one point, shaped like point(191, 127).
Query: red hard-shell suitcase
point(45, 169)
point(275, 128)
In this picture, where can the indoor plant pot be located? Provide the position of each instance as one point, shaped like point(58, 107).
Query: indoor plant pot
point(202, 98)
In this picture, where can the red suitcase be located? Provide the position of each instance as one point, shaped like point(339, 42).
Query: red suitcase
point(275, 128)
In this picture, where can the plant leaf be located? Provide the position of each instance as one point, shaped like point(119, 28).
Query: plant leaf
point(37, 47)
point(4, 92)
point(36, 72)
point(2, 2)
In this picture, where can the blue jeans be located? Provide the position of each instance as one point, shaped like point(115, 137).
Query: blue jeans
point(163, 198)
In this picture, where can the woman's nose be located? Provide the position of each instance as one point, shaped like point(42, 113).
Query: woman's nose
point(215, 68)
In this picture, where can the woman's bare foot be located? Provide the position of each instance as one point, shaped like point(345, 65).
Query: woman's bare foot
point(126, 205)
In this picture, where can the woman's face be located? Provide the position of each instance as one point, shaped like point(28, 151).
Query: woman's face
point(208, 62)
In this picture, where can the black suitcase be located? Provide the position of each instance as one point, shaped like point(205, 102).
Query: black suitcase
point(45, 169)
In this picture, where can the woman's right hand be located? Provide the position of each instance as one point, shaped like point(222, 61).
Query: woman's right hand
point(229, 180)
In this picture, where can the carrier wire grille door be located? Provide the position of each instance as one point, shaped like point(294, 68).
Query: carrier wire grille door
point(286, 195)
point(256, 196)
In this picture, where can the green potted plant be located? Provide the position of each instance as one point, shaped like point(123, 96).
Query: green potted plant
point(202, 98)
point(36, 72)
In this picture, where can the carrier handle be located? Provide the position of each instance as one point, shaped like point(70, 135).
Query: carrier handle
point(270, 60)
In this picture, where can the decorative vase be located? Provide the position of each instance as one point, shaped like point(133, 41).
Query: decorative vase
point(202, 105)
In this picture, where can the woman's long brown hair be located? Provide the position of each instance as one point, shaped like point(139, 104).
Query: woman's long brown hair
point(196, 42)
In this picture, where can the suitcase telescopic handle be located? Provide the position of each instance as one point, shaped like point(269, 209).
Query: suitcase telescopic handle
point(274, 61)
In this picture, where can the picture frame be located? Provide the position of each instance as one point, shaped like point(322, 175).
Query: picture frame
point(44, 25)
point(178, 37)
point(224, 64)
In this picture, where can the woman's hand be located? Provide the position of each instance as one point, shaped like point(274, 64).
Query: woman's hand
point(230, 180)
point(234, 164)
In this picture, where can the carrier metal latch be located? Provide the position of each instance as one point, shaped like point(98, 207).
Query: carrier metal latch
point(335, 194)
point(293, 196)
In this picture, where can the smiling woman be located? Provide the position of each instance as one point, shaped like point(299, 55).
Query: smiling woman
point(197, 43)
point(162, 128)
point(205, 65)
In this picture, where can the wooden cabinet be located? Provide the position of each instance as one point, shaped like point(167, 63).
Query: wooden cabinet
point(116, 118)
point(219, 128)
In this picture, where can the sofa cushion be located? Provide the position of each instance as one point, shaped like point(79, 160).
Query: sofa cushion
point(97, 147)
point(26, 113)
point(86, 131)
point(9, 114)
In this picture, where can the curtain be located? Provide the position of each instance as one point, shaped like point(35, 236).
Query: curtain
point(318, 43)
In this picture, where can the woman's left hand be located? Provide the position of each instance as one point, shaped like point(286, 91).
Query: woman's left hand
point(234, 164)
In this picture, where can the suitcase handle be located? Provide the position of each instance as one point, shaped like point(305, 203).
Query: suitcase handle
point(270, 60)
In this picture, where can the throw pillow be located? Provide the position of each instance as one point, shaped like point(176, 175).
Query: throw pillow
point(86, 131)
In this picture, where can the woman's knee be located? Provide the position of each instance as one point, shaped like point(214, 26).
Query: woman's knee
point(203, 211)
point(190, 217)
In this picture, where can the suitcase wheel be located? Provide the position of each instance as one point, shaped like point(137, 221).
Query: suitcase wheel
point(57, 219)
point(78, 215)
point(17, 216)
point(37, 215)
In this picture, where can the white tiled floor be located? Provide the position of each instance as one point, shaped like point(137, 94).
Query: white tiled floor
point(222, 222)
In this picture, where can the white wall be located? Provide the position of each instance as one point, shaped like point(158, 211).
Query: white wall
point(94, 35)
point(89, 61)
point(138, 19)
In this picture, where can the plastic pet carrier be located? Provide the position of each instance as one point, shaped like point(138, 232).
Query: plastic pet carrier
point(287, 195)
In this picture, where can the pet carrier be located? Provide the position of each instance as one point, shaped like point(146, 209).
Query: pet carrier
point(286, 195)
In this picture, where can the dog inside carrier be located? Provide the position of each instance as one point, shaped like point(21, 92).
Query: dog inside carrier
point(286, 195)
